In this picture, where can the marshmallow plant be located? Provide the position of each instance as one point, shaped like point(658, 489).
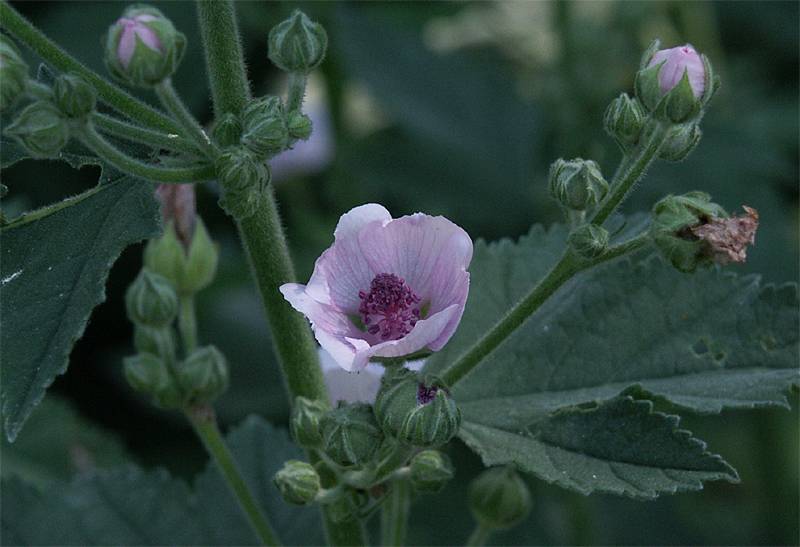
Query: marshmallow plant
point(545, 356)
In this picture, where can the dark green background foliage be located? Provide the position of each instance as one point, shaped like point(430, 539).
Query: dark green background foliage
point(457, 109)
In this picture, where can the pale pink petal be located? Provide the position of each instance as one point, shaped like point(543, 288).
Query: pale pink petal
point(677, 61)
point(358, 217)
point(148, 37)
point(346, 269)
point(127, 44)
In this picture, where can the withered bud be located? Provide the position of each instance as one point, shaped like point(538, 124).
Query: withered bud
point(178, 205)
point(728, 238)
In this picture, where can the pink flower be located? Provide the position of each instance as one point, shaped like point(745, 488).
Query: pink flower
point(386, 287)
point(133, 28)
point(677, 61)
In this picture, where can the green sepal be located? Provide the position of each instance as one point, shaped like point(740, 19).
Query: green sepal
point(41, 129)
point(679, 105)
point(227, 130)
point(297, 44)
point(430, 470)
point(648, 89)
point(158, 341)
point(350, 434)
point(151, 300)
point(499, 498)
point(13, 73)
point(680, 142)
point(298, 482)
point(148, 374)
point(203, 375)
point(74, 96)
point(304, 423)
point(588, 241)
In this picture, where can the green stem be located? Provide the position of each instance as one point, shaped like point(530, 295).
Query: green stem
point(172, 175)
point(479, 536)
point(297, 90)
point(394, 515)
point(205, 425)
point(187, 324)
point(174, 105)
point(155, 139)
point(633, 169)
point(228, 77)
point(120, 100)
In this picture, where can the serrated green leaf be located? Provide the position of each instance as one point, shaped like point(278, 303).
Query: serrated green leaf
point(134, 507)
point(619, 446)
point(54, 265)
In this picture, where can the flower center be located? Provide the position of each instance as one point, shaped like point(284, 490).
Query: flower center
point(390, 308)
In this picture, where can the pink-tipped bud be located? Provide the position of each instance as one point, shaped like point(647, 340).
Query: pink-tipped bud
point(178, 206)
point(677, 61)
point(133, 28)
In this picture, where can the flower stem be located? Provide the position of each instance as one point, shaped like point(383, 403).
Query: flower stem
point(394, 515)
point(174, 105)
point(120, 100)
point(187, 324)
point(297, 90)
point(204, 423)
point(479, 536)
point(229, 86)
point(155, 139)
point(173, 175)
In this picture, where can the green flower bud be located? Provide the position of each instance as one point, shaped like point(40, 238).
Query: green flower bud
point(430, 471)
point(142, 47)
point(159, 341)
point(297, 44)
point(203, 376)
point(151, 300)
point(13, 73)
point(499, 498)
point(350, 434)
point(624, 120)
point(148, 374)
point(577, 184)
point(188, 270)
point(299, 125)
point(244, 181)
point(305, 422)
point(298, 482)
point(416, 413)
point(165, 255)
point(681, 141)
point(673, 220)
point(348, 506)
point(41, 129)
point(588, 241)
point(74, 96)
point(265, 131)
point(227, 131)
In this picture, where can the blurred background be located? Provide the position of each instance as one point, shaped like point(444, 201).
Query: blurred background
point(455, 109)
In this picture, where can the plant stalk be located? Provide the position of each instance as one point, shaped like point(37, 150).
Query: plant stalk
point(187, 324)
point(479, 536)
point(155, 139)
point(394, 514)
point(174, 105)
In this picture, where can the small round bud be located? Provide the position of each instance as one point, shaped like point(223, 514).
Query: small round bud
point(298, 482)
point(244, 180)
point(148, 374)
point(203, 376)
point(41, 129)
point(681, 141)
point(265, 132)
point(673, 220)
point(297, 44)
point(142, 47)
point(588, 241)
point(350, 434)
point(499, 498)
point(13, 73)
point(165, 255)
point(430, 471)
point(189, 270)
point(227, 131)
point(159, 341)
point(74, 96)
point(299, 125)
point(416, 413)
point(151, 300)
point(624, 120)
point(577, 184)
point(305, 422)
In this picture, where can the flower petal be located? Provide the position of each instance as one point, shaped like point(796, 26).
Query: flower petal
point(358, 217)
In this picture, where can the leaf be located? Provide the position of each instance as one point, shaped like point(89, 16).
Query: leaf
point(54, 265)
point(130, 506)
point(619, 446)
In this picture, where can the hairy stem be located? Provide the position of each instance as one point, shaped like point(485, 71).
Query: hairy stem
point(187, 324)
point(155, 139)
point(173, 175)
point(223, 47)
point(394, 515)
point(120, 100)
point(174, 105)
point(297, 90)
point(479, 536)
point(204, 422)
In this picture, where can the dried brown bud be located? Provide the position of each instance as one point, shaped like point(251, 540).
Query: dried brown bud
point(178, 205)
point(728, 238)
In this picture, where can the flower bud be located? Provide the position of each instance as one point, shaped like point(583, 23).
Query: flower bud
point(348, 506)
point(577, 184)
point(74, 96)
point(416, 413)
point(188, 270)
point(624, 120)
point(41, 129)
point(588, 241)
point(244, 180)
point(297, 44)
point(430, 471)
point(151, 300)
point(13, 73)
point(681, 141)
point(305, 422)
point(203, 376)
point(265, 131)
point(142, 47)
point(148, 374)
point(159, 341)
point(673, 220)
point(299, 125)
point(227, 131)
point(350, 434)
point(298, 482)
point(499, 498)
